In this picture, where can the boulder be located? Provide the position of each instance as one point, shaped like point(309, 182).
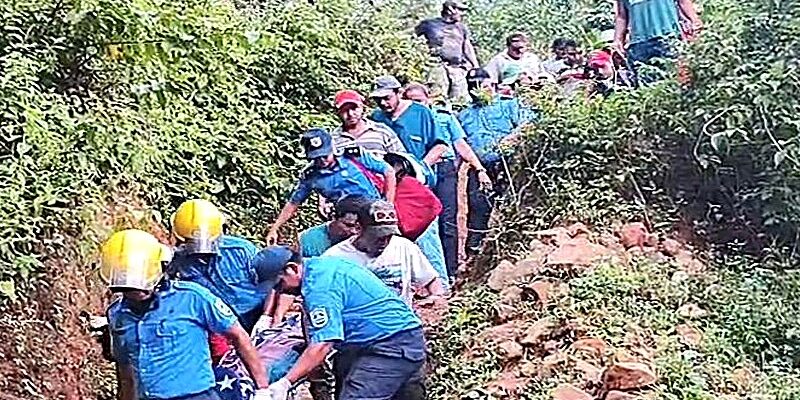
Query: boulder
point(577, 251)
point(590, 372)
point(742, 379)
point(591, 346)
point(499, 278)
point(551, 364)
point(688, 335)
point(688, 263)
point(617, 395)
point(566, 391)
point(500, 333)
point(510, 350)
point(633, 235)
point(627, 376)
point(538, 332)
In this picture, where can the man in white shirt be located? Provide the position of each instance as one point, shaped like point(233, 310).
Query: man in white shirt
point(397, 261)
point(517, 52)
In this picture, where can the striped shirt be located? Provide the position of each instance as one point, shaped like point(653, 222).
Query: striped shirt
point(377, 138)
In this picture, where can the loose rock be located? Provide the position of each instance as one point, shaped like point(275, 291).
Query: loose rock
point(592, 346)
point(590, 372)
point(542, 290)
point(627, 376)
point(538, 332)
point(671, 247)
point(511, 350)
point(689, 335)
point(578, 251)
point(499, 277)
point(566, 391)
point(633, 234)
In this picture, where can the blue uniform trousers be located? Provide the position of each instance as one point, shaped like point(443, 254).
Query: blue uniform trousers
point(446, 191)
point(390, 369)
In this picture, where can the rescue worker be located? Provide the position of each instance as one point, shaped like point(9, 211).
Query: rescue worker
point(490, 122)
point(416, 127)
point(379, 340)
point(316, 240)
point(447, 171)
point(333, 176)
point(156, 325)
point(218, 262)
point(379, 247)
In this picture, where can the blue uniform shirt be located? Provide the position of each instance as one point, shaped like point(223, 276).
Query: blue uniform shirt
point(487, 125)
point(348, 304)
point(167, 346)
point(448, 124)
point(342, 179)
point(314, 241)
point(416, 128)
point(229, 275)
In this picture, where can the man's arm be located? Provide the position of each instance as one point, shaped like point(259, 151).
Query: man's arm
point(437, 139)
point(620, 26)
point(286, 214)
point(241, 341)
point(435, 154)
point(311, 358)
point(390, 183)
point(126, 381)
point(687, 8)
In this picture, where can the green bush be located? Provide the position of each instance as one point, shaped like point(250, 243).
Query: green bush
point(162, 101)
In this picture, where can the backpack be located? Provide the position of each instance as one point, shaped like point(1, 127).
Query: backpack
point(417, 206)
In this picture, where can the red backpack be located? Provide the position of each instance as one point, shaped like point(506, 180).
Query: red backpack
point(417, 206)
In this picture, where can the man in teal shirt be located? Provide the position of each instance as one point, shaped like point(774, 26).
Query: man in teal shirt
point(316, 240)
point(650, 27)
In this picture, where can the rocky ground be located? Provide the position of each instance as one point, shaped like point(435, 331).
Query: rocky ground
point(546, 338)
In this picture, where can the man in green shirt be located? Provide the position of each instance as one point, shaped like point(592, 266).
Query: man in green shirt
point(316, 240)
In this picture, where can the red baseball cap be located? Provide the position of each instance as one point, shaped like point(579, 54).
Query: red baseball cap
point(347, 96)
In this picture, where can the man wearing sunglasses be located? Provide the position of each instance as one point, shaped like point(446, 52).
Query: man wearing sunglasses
point(158, 326)
point(397, 261)
point(333, 177)
point(379, 340)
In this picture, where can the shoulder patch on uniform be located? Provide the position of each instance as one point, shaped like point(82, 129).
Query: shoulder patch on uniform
point(223, 308)
point(318, 317)
point(307, 171)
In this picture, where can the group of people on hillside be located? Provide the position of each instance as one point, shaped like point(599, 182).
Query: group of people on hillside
point(645, 33)
point(216, 317)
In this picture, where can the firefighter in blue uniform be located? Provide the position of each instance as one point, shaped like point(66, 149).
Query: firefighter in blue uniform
point(156, 326)
point(221, 263)
point(379, 339)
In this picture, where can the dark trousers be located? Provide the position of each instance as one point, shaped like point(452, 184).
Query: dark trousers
point(481, 204)
point(657, 52)
point(446, 191)
point(209, 394)
point(391, 369)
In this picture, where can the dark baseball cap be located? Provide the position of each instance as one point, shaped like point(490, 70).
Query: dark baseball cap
point(478, 74)
point(384, 86)
point(380, 220)
point(455, 4)
point(317, 142)
point(270, 263)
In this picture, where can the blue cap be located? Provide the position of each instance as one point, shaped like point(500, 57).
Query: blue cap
point(317, 142)
point(269, 264)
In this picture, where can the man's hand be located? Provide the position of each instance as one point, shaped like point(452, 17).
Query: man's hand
point(618, 46)
point(263, 394)
point(510, 140)
point(272, 237)
point(280, 389)
point(485, 181)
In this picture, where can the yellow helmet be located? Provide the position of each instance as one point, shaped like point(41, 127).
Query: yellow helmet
point(199, 224)
point(131, 259)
